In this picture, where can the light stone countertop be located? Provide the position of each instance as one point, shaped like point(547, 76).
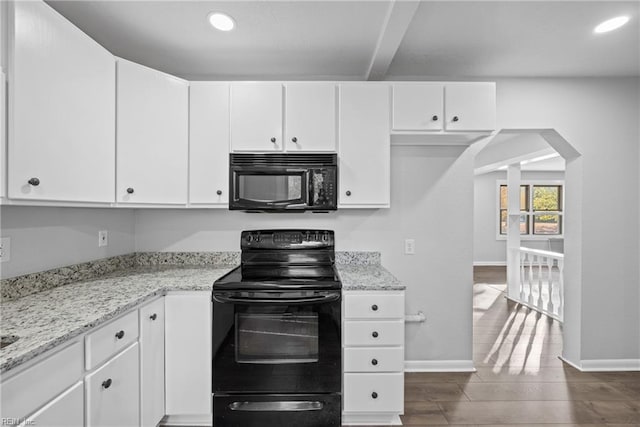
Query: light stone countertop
point(367, 277)
point(49, 318)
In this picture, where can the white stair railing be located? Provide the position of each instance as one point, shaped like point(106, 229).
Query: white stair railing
point(541, 281)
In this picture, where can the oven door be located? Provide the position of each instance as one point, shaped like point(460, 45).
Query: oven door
point(275, 188)
point(285, 341)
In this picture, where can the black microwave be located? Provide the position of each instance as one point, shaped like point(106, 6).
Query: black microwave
point(283, 182)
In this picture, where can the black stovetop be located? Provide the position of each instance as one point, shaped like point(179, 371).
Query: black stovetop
point(284, 259)
point(280, 277)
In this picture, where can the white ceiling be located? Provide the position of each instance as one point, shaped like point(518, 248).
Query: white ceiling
point(381, 39)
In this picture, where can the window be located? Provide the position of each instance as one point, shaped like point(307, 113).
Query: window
point(540, 209)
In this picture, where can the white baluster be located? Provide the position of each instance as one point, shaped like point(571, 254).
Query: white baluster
point(539, 303)
point(550, 285)
point(530, 298)
point(523, 261)
point(561, 288)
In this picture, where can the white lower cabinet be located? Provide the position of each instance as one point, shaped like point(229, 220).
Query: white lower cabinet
point(113, 391)
point(67, 410)
point(38, 386)
point(113, 376)
point(152, 363)
point(373, 357)
point(188, 356)
point(374, 392)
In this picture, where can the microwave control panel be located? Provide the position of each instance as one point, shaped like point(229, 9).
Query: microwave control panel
point(323, 188)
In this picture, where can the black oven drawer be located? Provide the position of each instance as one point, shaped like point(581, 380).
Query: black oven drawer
point(277, 410)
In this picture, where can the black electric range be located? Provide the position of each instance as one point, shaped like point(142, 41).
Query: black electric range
point(277, 348)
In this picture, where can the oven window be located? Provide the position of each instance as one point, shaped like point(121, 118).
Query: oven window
point(270, 188)
point(277, 338)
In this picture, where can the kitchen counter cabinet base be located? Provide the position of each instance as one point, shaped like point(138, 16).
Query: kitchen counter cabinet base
point(373, 357)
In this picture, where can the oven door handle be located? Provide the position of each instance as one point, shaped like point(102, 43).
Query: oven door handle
point(284, 406)
point(279, 301)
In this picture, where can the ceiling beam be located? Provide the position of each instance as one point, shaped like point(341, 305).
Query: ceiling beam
point(395, 26)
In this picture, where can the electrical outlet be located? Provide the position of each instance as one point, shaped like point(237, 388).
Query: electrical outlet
point(5, 249)
point(103, 238)
point(409, 246)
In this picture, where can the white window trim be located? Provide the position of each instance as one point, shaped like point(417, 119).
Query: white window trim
point(529, 237)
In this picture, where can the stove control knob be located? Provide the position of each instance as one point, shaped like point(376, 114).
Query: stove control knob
point(374, 334)
point(325, 237)
point(249, 238)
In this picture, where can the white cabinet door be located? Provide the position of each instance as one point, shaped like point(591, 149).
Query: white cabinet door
point(67, 410)
point(113, 391)
point(3, 133)
point(256, 117)
point(62, 110)
point(418, 106)
point(153, 128)
point(364, 151)
point(25, 392)
point(209, 143)
point(374, 392)
point(310, 116)
point(152, 363)
point(188, 353)
point(470, 106)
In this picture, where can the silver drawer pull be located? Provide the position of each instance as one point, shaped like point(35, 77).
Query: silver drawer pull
point(285, 406)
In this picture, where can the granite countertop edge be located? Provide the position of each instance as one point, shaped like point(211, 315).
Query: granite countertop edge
point(367, 277)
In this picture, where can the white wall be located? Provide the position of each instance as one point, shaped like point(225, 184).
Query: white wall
point(599, 117)
point(44, 238)
point(487, 249)
point(431, 202)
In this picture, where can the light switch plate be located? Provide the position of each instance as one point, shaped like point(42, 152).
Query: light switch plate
point(103, 238)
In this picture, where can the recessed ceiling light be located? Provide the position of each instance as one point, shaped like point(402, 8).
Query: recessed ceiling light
point(611, 24)
point(221, 21)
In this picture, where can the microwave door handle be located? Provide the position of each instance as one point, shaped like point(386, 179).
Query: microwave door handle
point(280, 301)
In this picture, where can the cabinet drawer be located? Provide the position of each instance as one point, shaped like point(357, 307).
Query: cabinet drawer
point(111, 338)
point(67, 410)
point(374, 333)
point(383, 359)
point(113, 391)
point(32, 388)
point(374, 392)
point(374, 306)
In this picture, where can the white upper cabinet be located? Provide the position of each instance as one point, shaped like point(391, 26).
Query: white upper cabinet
point(209, 144)
point(418, 106)
point(470, 106)
point(256, 116)
point(152, 137)
point(437, 106)
point(310, 118)
point(364, 146)
point(61, 110)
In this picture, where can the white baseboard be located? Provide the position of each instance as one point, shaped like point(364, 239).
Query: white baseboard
point(489, 263)
point(371, 419)
point(605, 365)
point(202, 420)
point(439, 366)
point(595, 365)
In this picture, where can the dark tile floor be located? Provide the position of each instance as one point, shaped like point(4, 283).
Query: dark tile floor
point(519, 378)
